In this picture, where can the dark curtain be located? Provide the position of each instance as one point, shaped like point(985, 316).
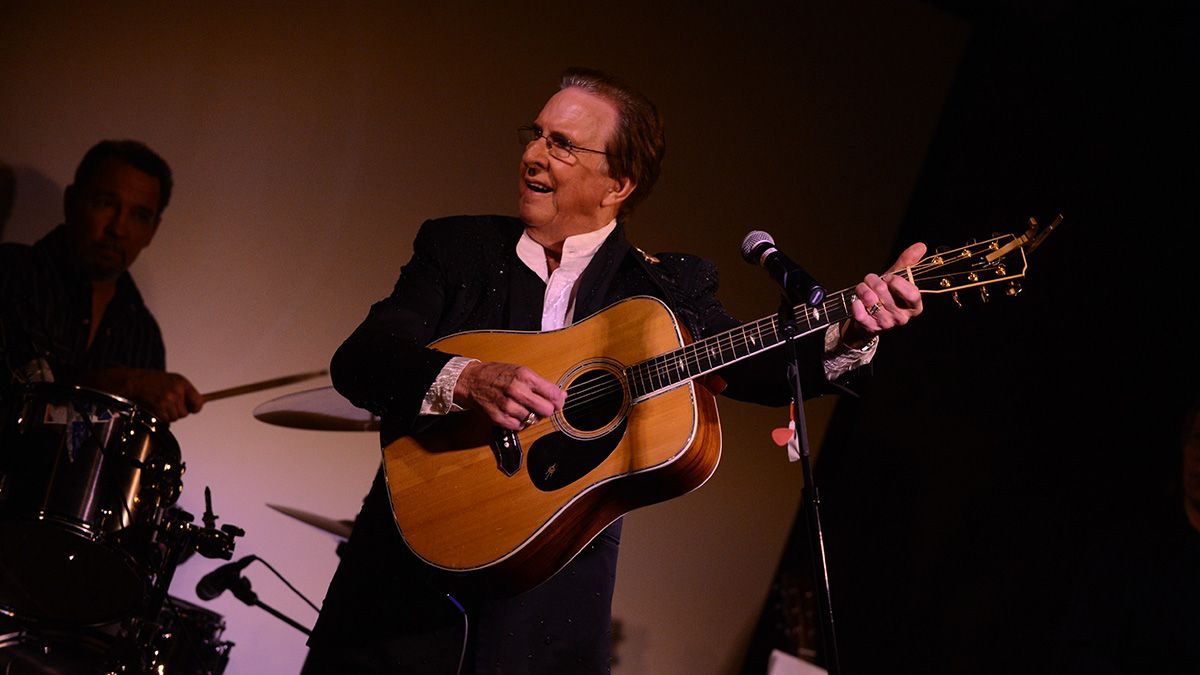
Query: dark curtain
point(966, 490)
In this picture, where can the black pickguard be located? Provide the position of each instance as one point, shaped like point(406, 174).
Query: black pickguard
point(557, 460)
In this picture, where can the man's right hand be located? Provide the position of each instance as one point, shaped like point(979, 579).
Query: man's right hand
point(507, 393)
point(169, 395)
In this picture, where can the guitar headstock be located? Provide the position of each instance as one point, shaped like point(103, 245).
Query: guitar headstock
point(1001, 260)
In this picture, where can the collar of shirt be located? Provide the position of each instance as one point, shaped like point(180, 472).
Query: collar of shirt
point(559, 303)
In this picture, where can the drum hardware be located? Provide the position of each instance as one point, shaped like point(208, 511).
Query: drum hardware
point(160, 636)
point(210, 541)
point(167, 636)
point(92, 537)
point(184, 639)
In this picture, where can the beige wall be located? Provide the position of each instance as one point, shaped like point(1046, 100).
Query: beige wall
point(309, 140)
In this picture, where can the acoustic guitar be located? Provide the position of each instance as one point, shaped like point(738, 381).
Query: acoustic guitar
point(511, 508)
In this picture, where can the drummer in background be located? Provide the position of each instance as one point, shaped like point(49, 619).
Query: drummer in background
point(69, 310)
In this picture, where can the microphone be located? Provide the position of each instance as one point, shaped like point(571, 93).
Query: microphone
point(758, 248)
point(219, 580)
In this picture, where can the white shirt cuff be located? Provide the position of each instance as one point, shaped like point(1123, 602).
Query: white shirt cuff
point(840, 359)
point(439, 400)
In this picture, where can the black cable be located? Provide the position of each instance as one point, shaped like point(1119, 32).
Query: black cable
point(289, 585)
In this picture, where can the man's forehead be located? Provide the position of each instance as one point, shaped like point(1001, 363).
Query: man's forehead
point(114, 172)
point(576, 108)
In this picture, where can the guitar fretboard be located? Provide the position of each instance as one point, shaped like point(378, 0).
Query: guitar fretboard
point(671, 369)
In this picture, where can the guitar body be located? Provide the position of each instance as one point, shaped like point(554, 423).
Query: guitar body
point(512, 508)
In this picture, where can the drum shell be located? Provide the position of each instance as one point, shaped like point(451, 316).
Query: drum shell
point(120, 468)
point(84, 480)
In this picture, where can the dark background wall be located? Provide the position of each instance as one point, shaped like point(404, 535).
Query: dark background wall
point(1001, 446)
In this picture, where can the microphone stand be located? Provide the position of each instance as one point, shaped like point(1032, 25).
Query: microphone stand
point(810, 499)
point(241, 590)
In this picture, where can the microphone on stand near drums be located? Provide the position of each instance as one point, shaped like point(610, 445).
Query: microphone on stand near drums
point(222, 579)
point(229, 577)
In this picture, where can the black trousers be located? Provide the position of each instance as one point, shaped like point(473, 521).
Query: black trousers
point(385, 613)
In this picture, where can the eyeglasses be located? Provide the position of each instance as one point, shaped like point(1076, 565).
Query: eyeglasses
point(558, 145)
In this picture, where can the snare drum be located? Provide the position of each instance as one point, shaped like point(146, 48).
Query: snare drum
point(84, 480)
point(189, 641)
point(186, 640)
point(58, 651)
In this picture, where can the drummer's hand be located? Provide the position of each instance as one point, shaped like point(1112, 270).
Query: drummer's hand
point(507, 393)
point(170, 395)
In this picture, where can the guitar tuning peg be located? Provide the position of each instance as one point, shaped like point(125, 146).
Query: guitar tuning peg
point(1013, 290)
point(984, 296)
point(957, 300)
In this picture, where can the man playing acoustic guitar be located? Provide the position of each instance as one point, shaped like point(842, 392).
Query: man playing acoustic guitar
point(511, 456)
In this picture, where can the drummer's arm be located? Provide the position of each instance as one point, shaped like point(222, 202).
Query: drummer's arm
point(170, 395)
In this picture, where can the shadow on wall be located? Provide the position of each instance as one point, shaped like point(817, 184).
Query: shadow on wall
point(30, 203)
point(7, 182)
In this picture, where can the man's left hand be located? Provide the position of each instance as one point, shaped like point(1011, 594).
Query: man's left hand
point(884, 301)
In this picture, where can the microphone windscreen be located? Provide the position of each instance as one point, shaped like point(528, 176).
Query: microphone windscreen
point(752, 246)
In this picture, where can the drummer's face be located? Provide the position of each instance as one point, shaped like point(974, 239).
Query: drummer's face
point(111, 218)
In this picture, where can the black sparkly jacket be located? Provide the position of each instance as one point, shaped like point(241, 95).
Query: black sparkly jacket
point(465, 275)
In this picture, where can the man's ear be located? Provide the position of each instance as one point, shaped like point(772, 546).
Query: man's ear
point(618, 191)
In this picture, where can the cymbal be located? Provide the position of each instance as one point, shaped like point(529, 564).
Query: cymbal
point(341, 528)
point(321, 409)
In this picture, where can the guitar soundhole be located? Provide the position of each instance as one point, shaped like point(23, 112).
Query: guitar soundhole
point(593, 400)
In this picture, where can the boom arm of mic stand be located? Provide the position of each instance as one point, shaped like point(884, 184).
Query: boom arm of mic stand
point(810, 499)
point(242, 591)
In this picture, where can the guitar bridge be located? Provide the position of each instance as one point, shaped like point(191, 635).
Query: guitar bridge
point(507, 448)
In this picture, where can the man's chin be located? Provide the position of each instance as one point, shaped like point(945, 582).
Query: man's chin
point(104, 270)
point(532, 215)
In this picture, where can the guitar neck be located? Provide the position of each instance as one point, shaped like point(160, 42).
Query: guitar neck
point(700, 358)
point(978, 265)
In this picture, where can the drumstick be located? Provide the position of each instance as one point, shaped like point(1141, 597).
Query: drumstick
point(265, 384)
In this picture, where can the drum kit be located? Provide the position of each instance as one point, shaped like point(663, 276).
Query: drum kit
point(91, 536)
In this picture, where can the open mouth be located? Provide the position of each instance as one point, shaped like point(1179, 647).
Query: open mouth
point(537, 187)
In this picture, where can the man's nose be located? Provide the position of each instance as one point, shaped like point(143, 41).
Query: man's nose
point(121, 222)
point(537, 152)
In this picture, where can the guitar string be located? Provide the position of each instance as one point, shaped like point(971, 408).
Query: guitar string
point(747, 339)
point(699, 356)
point(677, 365)
point(691, 357)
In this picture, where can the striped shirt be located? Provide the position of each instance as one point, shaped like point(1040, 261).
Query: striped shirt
point(45, 312)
